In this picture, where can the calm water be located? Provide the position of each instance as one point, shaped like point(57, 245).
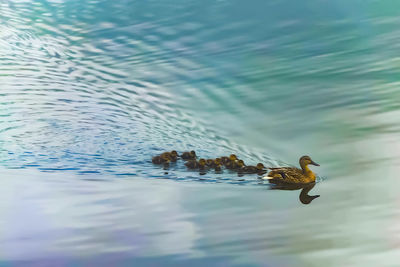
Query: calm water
point(90, 90)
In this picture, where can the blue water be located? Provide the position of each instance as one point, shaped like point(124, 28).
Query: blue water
point(91, 90)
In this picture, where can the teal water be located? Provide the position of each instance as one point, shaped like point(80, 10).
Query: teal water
point(90, 90)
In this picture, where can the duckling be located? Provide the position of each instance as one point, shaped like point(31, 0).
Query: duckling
point(174, 153)
point(253, 169)
point(230, 163)
point(192, 164)
point(188, 155)
point(172, 156)
point(293, 175)
point(202, 164)
point(218, 161)
point(218, 168)
point(235, 165)
point(239, 165)
point(232, 157)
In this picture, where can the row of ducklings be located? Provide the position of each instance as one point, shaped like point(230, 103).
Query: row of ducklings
point(231, 162)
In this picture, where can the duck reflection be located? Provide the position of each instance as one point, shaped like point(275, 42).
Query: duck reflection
point(304, 197)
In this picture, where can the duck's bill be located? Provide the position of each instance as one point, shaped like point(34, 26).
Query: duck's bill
point(314, 163)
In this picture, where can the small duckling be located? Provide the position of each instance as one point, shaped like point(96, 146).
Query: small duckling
point(239, 164)
point(232, 157)
point(230, 163)
point(192, 164)
point(253, 169)
point(174, 153)
point(170, 155)
point(188, 155)
point(217, 161)
point(261, 169)
point(218, 168)
point(202, 164)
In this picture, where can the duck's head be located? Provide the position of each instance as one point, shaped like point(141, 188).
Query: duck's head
point(233, 157)
point(218, 161)
point(193, 153)
point(202, 162)
point(306, 160)
point(240, 163)
point(174, 153)
point(260, 166)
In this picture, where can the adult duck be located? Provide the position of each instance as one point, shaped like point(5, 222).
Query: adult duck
point(292, 175)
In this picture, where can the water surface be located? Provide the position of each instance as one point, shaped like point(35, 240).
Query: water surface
point(90, 90)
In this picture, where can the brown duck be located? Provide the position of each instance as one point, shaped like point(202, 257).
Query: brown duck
point(293, 175)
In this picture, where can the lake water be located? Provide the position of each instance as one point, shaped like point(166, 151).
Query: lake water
point(91, 90)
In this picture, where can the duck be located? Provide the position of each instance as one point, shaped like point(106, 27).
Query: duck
point(174, 153)
point(235, 165)
point(218, 168)
point(229, 162)
point(253, 169)
point(192, 164)
point(202, 164)
point(188, 155)
point(217, 161)
point(293, 175)
point(239, 165)
point(233, 157)
point(161, 158)
point(172, 156)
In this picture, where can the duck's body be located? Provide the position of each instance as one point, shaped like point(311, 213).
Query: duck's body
point(292, 175)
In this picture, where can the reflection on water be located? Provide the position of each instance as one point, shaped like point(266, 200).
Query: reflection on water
point(304, 197)
point(90, 90)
